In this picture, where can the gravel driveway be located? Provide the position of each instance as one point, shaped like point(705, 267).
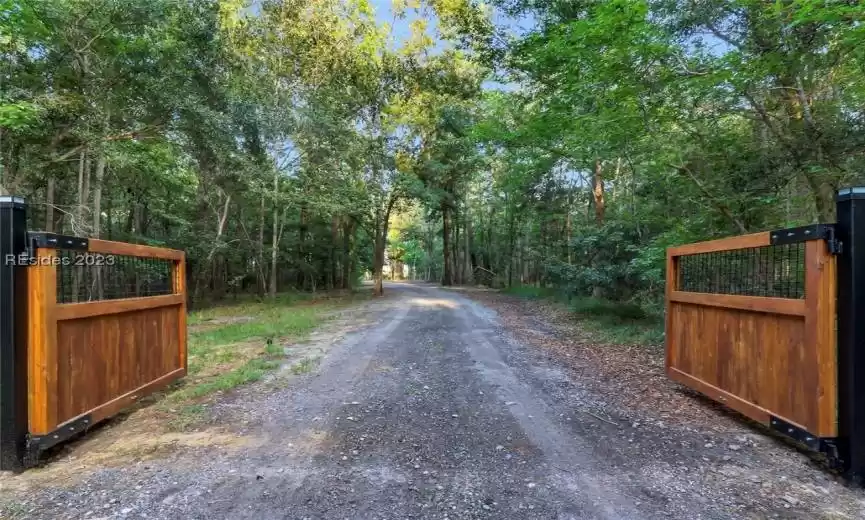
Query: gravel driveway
point(431, 411)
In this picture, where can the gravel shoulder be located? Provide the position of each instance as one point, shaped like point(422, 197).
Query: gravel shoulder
point(695, 450)
point(444, 404)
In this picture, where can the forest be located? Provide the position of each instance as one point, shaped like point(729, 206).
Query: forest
point(303, 144)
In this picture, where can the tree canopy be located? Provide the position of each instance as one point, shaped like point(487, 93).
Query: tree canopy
point(298, 144)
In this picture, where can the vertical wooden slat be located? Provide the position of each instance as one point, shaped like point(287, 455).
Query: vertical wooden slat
point(670, 286)
point(820, 287)
point(179, 275)
point(42, 359)
point(762, 356)
point(729, 356)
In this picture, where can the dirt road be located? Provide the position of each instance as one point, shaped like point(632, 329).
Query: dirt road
point(432, 410)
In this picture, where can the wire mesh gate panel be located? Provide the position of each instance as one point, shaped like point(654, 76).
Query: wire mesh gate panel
point(87, 327)
point(107, 325)
point(751, 324)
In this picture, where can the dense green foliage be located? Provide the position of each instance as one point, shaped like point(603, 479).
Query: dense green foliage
point(296, 144)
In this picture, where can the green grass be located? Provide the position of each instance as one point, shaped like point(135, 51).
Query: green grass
point(274, 349)
point(251, 371)
point(187, 416)
point(648, 331)
point(606, 308)
point(616, 322)
point(304, 366)
point(223, 334)
point(232, 345)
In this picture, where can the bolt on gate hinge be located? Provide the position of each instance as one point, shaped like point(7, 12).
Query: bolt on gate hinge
point(804, 233)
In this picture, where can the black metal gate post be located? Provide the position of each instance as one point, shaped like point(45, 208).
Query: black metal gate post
point(850, 230)
point(13, 333)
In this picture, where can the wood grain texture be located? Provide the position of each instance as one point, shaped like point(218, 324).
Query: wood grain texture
point(42, 381)
point(108, 247)
point(793, 307)
point(178, 273)
point(821, 288)
point(670, 286)
point(71, 311)
point(102, 358)
point(761, 358)
point(117, 404)
point(759, 355)
point(722, 244)
point(97, 357)
point(736, 403)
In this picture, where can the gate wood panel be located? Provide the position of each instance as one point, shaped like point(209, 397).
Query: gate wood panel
point(93, 355)
point(763, 345)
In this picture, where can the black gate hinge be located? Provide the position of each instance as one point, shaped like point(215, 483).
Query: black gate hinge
point(804, 233)
point(836, 247)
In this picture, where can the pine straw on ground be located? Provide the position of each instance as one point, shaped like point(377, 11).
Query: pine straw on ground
point(630, 378)
point(686, 440)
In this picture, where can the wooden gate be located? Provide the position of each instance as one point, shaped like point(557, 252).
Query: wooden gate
point(751, 324)
point(87, 327)
point(107, 325)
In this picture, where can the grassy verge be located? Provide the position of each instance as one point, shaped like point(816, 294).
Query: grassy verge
point(615, 322)
point(231, 345)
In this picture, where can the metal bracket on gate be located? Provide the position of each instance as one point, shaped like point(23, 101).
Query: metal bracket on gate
point(825, 445)
point(794, 432)
point(53, 240)
point(804, 233)
point(37, 443)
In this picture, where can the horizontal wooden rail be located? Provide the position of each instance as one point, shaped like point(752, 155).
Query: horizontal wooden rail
point(72, 311)
point(119, 403)
point(789, 306)
point(722, 244)
point(121, 248)
point(740, 405)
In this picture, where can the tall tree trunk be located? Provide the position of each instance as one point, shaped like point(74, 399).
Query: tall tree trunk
point(467, 258)
point(334, 238)
point(347, 233)
point(380, 245)
point(430, 247)
point(80, 228)
point(130, 216)
point(262, 274)
point(97, 196)
point(598, 198)
point(598, 192)
point(447, 276)
point(274, 242)
point(79, 209)
point(455, 249)
point(207, 265)
point(49, 204)
point(824, 197)
point(511, 244)
point(109, 211)
point(378, 262)
point(97, 219)
point(274, 254)
point(538, 269)
point(568, 230)
point(304, 275)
